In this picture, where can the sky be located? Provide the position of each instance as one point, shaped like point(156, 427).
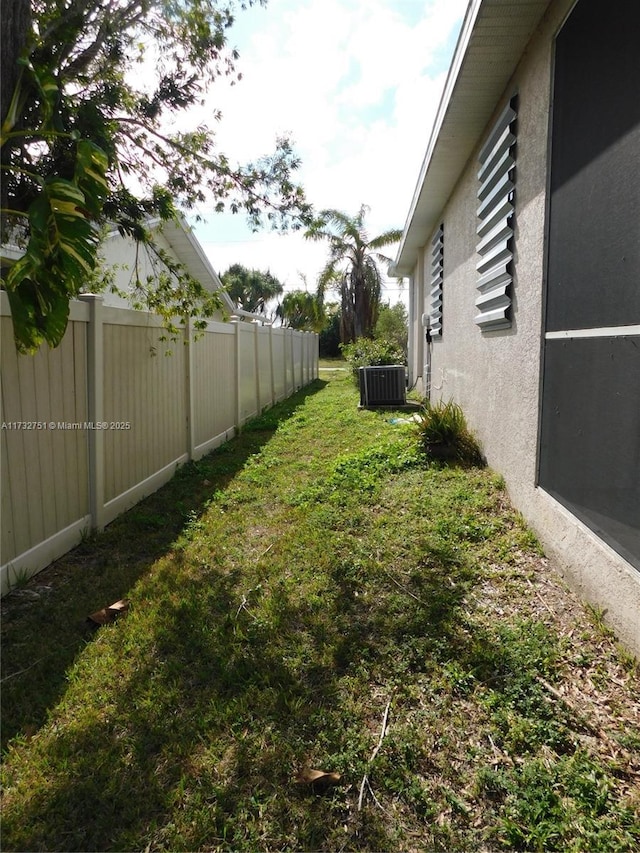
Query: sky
point(356, 85)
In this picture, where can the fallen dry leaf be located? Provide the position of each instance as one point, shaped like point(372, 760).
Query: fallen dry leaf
point(109, 614)
point(318, 778)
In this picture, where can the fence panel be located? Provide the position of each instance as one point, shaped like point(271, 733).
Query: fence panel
point(298, 352)
point(144, 390)
point(159, 410)
point(247, 380)
point(45, 497)
point(213, 390)
point(265, 372)
point(278, 343)
point(289, 353)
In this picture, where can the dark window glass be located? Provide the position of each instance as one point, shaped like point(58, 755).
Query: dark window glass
point(590, 436)
point(594, 237)
point(590, 423)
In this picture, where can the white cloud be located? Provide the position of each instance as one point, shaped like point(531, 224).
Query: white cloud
point(357, 84)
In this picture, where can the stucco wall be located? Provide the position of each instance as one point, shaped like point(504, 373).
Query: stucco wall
point(495, 376)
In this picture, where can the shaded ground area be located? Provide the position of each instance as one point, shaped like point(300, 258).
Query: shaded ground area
point(44, 625)
point(304, 590)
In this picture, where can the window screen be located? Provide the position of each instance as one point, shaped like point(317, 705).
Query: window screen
point(590, 422)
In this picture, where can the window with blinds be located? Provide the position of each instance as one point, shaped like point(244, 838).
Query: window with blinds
point(437, 280)
point(495, 230)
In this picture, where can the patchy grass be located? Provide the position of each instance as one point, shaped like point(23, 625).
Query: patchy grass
point(287, 591)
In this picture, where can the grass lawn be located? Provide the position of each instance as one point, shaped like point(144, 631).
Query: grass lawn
point(309, 587)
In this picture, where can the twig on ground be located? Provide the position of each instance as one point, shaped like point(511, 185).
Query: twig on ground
point(376, 800)
point(541, 599)
point(264, 553)
point(551, 689)
point(21, 671)
point(365, 778)
point(400, 586)
point(36, 662)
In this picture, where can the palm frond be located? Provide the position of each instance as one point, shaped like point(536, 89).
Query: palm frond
point(382, 259)
point(329, 276)
point(394, 235)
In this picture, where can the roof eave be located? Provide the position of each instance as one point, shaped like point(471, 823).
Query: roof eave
point(471, 93)
point(192, 255)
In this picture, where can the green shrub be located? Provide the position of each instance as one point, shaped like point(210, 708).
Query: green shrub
point(329, 340)
point(366, 352)
point(393, 325)
point(443, 434)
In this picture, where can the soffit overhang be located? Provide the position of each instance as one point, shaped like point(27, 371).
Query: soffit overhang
point(492, 39)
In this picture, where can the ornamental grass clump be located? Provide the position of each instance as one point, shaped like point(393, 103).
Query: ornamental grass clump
point(443, 434)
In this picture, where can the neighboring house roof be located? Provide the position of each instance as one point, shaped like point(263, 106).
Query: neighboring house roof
point(187, 250)
point(493, 37)
point(191, 254)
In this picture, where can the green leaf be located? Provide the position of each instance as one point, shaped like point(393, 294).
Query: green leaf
point(60, 256)
point(39, 315)
point(49, 90)
point(91, 167)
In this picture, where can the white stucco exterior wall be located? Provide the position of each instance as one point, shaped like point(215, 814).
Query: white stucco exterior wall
point(496, 376)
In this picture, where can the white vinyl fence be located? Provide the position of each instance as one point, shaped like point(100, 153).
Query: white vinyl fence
point(95, 425)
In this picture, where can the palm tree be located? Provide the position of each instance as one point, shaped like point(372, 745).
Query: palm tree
point(251, 290)
point(353, 268)
point(301, 310)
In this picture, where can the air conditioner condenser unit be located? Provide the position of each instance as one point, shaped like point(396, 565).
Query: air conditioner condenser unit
point(383, 386)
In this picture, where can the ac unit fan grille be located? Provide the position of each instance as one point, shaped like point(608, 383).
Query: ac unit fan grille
point(382, 386)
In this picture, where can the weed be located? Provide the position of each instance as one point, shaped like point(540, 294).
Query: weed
point(597, 617)
point(17, 578)
point(565, 806)
point(443, 434)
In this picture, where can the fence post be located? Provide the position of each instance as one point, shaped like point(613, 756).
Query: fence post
point(292, 355)
point(236, 322)
point(272, 367)
point(285, 359)
point(190, 400)
point(95, 407)
point(256, 364)
point(305, 350)
point(302, 336)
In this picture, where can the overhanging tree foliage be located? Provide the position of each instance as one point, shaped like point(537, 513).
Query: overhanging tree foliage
point(352, 268)
point(92, 93)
